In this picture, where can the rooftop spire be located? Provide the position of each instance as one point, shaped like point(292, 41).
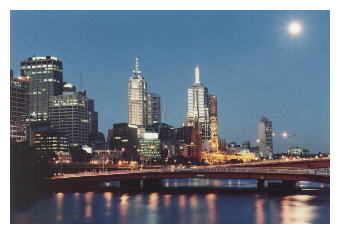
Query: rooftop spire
point(137, 66)
point(197, 75)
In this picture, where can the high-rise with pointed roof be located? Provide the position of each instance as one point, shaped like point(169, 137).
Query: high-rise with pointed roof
point(137, 98)
point(198, 105)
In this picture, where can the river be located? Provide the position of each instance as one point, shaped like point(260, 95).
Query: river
point(310, 205)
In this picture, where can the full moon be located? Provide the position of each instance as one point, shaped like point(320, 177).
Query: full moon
point(294, 28)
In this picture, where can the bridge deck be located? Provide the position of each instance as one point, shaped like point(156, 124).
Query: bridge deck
point(298, 174)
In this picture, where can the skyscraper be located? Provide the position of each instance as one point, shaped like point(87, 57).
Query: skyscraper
point(137, 99)
point(213, 122)
point(154, 109)
point(70, 113)
point(265, 138)
point(46, 80)
point(19, 107)
point(198, 105)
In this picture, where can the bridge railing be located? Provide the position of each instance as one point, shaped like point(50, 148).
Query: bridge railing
point(294, 171)
point(212, 169)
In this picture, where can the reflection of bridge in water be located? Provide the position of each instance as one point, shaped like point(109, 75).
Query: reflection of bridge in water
point(152, 178)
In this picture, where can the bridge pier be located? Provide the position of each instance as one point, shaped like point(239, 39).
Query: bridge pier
point(262, 185)
point(130, 184)
point(152, 183)
point(291, 184)
point(284, 186)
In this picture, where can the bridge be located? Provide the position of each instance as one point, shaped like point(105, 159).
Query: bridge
point(323, 162)
point(296, 163)
point(151, 178)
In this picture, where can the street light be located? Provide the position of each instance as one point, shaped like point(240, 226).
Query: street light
point(285, 135)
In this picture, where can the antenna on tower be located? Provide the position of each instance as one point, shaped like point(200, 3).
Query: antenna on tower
point(197, 74)
point(163, 114)
point(137, 65)
point(81, 81)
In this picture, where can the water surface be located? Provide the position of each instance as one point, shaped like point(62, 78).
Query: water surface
point(311, 205)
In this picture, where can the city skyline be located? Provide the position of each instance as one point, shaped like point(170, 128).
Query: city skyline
point(239, 103)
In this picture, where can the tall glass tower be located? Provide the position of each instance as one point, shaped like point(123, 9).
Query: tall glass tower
point(265, 138)
point(45, 80)
point(154, 109)
point(198, 105)
point(137, 99)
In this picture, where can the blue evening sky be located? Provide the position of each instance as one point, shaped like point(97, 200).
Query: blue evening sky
point(247, 58)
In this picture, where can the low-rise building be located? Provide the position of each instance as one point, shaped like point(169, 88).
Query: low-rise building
point(49, 139)
point(295, 150)
point(150, 145)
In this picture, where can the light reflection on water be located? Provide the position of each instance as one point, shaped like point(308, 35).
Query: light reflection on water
point(260, 214)
point(108, 202)
point(76, 198)
point(211, 203)
point(108, 207)
point(294, 209)
point(59, 198)
point(123, 208)
point(88, 207)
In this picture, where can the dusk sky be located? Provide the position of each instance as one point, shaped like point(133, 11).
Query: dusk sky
point(248, 59)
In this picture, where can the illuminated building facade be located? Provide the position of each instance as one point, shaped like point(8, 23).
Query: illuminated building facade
point(137, 99)
point(154, 109)
point(46, 80)
point(49, 139)
point(198, 105)
point(295, 150)
point(213, 123)
point(19, 107)
point(150, 145)
point(265, 138)
point(71, 113)
point(213, 157)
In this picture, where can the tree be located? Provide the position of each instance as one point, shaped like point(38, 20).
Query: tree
point(80, 155)
point(29, 168)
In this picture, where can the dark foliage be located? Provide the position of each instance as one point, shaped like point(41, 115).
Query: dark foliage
point(29, 168)
point(80, 155)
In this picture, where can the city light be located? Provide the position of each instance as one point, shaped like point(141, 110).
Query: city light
point(284, 134)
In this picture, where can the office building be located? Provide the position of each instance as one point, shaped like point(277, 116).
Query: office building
point(246, 145)
point(297, 151)
point(190, 138)
point(71, 113)
point(49, 139)
point(198, 105)
point(137, 99)
point(150, 146)
point(213, 123)
point(19, 101)
point(265, 138)
point(154, 109)
point(45, 80)
point(124, 139)
point(93, 117)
